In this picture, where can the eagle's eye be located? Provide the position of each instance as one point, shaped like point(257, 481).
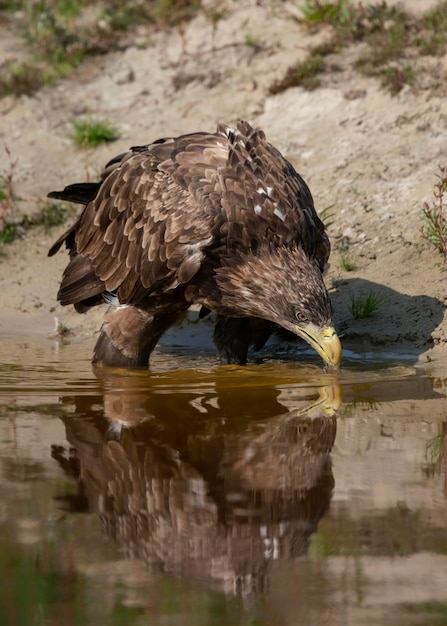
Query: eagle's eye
point(301, 317)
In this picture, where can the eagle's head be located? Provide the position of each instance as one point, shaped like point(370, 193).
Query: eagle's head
point(283, 286)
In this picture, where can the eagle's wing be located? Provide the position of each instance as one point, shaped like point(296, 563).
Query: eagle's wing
point(147, 226)
point(160, 209)
point(264, 200)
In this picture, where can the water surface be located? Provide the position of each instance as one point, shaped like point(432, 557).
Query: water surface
point(195, 493)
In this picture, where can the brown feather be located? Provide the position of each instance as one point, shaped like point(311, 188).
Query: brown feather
point(206, 217)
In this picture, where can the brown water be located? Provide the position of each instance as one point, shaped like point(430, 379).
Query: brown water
point(195, 494)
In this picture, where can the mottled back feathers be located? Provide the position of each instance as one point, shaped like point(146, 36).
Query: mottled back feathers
point(166, 214)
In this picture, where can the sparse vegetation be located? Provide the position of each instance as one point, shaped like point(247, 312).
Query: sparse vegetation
point(10, 5)
point(121, 16)
point(303, 74)
point(327, 215)
point(61, 33)
point(392, 36)
point(216, 13)
point(252, 41)
point(353, 21)
point(435, 224)
point(90, 133)
point(436, 451)
point(335, 13)
point(49, 214)
point(172, 12)
point(7, 194)
point(394, 78)
point(364, 305)
point(432, 612)
point(21, 77)
point(8, 233)
point(12, 225)
point(55, 38)
point(124, 15)
point(347, 261)
point(62, 330)
point(434, 40)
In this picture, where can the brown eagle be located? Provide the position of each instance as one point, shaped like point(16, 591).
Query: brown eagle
point(220, 219)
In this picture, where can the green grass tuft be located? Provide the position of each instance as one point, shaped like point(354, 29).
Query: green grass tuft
point(173, 12)
point(21, 78)
point(9, 232)
point(364, 305)
point(347, 262)
point(62, 330)
point(89, 133)
point(50, 213)
point(122, 16)
point(394, 78)
point(303, 74)
point(253, 41)
point(433, 40)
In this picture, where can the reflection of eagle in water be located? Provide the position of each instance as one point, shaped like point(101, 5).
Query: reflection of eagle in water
point(218, 219)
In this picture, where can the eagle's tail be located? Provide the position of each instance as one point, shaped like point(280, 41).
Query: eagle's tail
point(80, 193)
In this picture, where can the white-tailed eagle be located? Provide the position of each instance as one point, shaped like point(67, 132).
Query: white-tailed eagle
point(220, 219)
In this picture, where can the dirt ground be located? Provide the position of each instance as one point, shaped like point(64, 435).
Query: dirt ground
point(371, 156)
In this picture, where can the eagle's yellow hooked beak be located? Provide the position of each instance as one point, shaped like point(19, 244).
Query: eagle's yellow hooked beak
point(325, 341)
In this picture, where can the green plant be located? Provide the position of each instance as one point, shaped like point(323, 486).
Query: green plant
point(61, 329)
point(384, 46)
point(19, 78)
point(347, 261)
point(252, 41)
point(351, 20)
point(7, 195)
point(9, 229)
point(89, 133)
point(304, 74)
point(436, 451)
point(173, 12)
point(8, 232)
point(49, 32)
point(364, 305)
point(10, 5)
point(216, 14)
point(436, 19)
point(50, 214)
point(433, 38)
point(435, 225)
point(123, 15)
point(394, 78)
point(432, 612)
point(59, 34)
point(318, 12)
point(390, 35)
point(327, 215)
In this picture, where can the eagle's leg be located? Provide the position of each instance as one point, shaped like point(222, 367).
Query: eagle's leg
point(234, 335)
point(128, 335)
